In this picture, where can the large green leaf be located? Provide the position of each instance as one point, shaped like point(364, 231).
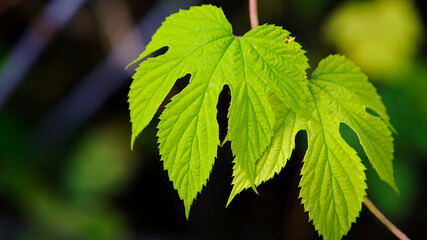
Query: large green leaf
point(333, 179)
point(350, 95)
point(200, 42)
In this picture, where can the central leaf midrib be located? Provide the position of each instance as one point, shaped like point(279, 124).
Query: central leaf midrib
point(273, 68)
point(325, 145)
point(196, 117)
point(207, 84)
point(323, 128)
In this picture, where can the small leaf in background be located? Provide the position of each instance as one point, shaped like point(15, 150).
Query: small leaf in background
point(99, 167)
point(101, 163)
point(55, 218)
point(380, 36)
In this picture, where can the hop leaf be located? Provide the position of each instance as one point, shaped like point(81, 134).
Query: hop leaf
point(333, 179)
point(271, 102)
point(200, 42)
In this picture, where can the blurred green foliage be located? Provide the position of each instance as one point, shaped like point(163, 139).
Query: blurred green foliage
point(100, 165)
point(78, 205)
point(380, 36)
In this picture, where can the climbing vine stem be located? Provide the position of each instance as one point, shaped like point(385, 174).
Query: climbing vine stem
point(253, 13)
point(396, 231)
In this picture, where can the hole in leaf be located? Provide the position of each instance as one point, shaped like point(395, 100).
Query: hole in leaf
point(351, 138)
point(159, 52)
point(372, 112)
point(156, 53)
point(301, 145)
point(179, 85)
point(222, 111)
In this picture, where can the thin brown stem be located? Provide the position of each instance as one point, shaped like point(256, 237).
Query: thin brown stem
point(396, 231)
point(253, 13)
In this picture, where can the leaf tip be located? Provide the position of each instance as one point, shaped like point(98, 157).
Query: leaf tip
point(230, 198)
point(187, 206)
point(392, 129)
point(233, 194)
point(132, 140)
point(254, 188)
point(131, 63)
point(187, 214)
point(127, 66)
point(395, 188)
point(225, 140)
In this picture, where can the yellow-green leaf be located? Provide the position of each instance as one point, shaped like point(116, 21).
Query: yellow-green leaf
point(200, 43)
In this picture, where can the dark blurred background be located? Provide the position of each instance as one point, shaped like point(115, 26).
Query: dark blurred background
point(66, 169)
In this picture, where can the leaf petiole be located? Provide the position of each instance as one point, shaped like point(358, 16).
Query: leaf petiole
point(253, 13)
point(396, 231)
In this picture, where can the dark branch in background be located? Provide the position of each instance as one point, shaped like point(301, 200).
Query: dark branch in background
point(32, 43)
point(7, 4)
point(87, 97)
